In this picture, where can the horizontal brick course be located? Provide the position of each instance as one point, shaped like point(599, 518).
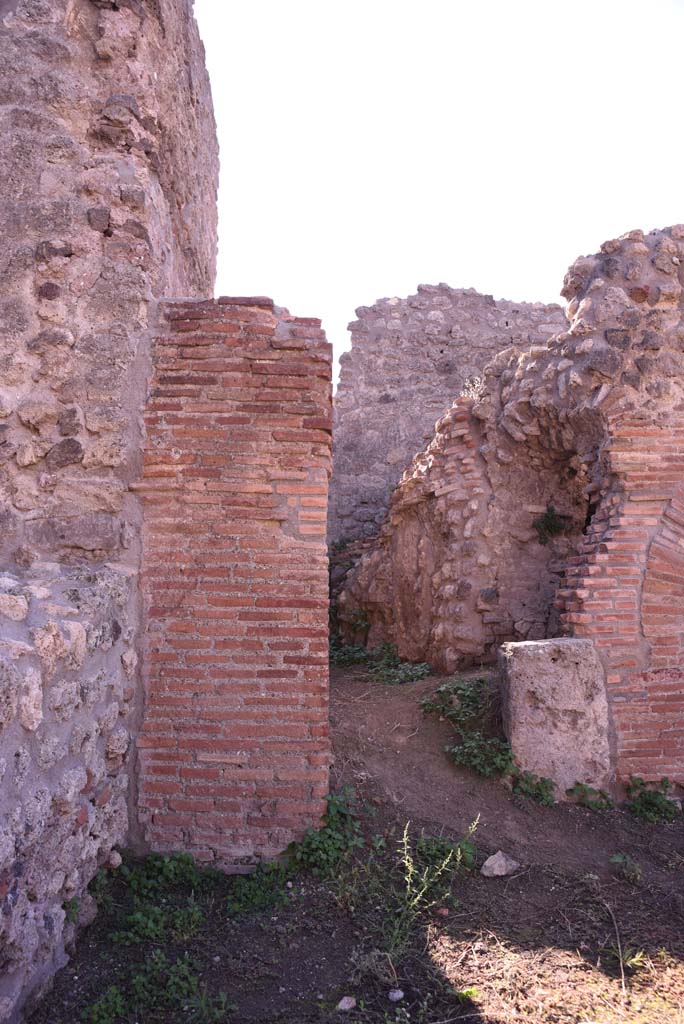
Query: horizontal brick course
point(234, 748)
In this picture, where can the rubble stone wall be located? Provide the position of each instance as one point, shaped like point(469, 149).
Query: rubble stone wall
point(409, 360)
point(552, 504)
point(234, 745)
point(108, 162)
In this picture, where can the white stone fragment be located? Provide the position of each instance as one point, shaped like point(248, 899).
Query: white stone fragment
point(346, 1004)
point(498, 865)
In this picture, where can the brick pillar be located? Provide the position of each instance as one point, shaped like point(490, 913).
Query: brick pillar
point(625, 590)
point(234, 745)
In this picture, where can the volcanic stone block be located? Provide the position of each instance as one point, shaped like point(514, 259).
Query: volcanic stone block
point(555, 710)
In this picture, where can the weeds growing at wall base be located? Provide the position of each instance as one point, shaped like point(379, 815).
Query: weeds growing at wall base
point(383, 662)
point(388, 883)
point(471, 708)
point(651, 801)
point(395, 907)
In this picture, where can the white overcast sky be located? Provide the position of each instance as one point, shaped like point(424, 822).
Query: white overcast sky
point(372, 145)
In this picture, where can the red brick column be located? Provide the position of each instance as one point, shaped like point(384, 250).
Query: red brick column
point(234, 744)
point(626, 592)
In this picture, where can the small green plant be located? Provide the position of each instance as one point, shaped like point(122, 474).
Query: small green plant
point(71, 909)
point(360, 622)
point(203, 1008)
point(383, 661)
point(343, 655)
point(587, 796)
point(533, 787)
point(110, 1008)
point(263, 888)
point(406, 672)
point(147, 923)
point(425, 880)
point(159, 983)
point(466, 995)
point(387, 666)
point(157, 873)
point(487, 757)
point(631, 959)
point(187, 921)
point(650, 802)
point(548, 525)
point(434, 849)
point(469, 706)
point(101, 889)
point(626, 867)
point(321, 850)
point(462, 702)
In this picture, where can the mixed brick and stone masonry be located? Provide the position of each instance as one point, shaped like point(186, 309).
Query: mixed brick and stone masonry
point(409, 360)
point(553, 504)
point(164, 462)
point(184, 707)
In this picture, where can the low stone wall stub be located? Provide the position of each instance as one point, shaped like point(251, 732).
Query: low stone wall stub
point(556, 711)
point(234, 744)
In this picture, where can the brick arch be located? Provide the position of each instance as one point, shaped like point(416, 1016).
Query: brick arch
point(626, 592)
point(650, 724)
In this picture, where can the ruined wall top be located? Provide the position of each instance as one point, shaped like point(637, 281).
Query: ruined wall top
point(410, 358)
point(109, 165)
point(624, 346)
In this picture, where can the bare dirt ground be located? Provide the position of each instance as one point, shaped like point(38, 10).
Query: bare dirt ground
point(567, 939)
point(388, 749)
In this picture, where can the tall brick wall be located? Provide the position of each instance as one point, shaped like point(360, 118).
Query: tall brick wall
point(234, 743)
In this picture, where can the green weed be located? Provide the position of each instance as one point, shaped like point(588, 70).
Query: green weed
point(469, 706)
point(110, 1008)
point(147, 923)
point(343, 655)
point(321, 850)
point(100, 889)
point(486, 757)
point(160, 983)
point(424, 882)
point(587, 796)
point(433, 850)
point(203, 1008)
point(462, 702)
point(387, 666)
point(71, 909)
point(650, 801)
point(260, 890)
point(157, 873)
point(527, 784)
point(548, 525)
point(626, 867)
point(383, 662)
point(186, 921)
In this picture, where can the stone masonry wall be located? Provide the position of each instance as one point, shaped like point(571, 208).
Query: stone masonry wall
point(553, 504)
point(108, 162)
point(234, 745)
point(409, 360)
